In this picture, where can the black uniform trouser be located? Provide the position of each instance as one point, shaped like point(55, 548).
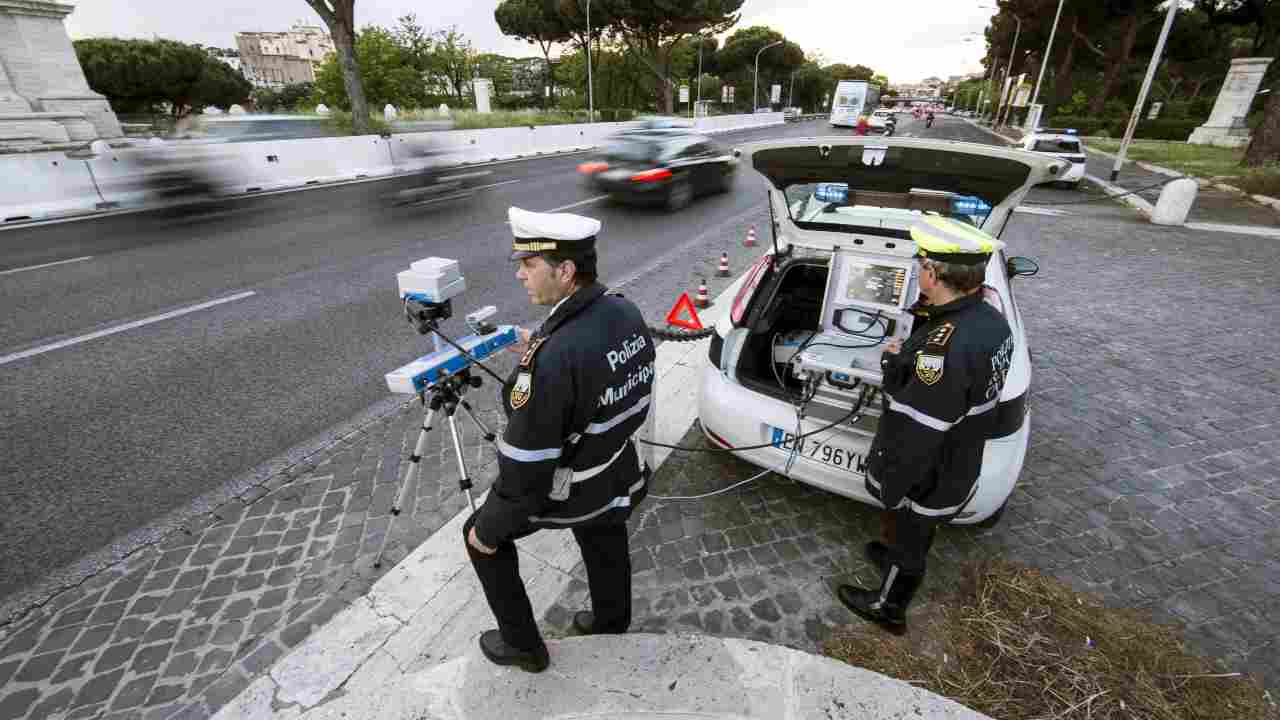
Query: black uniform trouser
point(606, 557)
point(912, 538)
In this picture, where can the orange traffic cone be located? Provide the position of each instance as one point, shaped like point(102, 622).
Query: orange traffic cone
point(751, 237)
point(723, 270)
point(702, 300)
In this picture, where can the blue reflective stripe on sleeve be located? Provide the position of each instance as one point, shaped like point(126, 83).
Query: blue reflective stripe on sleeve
point(521, 455)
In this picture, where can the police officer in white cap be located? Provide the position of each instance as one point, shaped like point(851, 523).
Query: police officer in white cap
point(941, 397)
point(567, 458)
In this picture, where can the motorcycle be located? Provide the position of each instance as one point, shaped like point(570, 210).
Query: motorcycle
point(889, 126)
point(928, 120)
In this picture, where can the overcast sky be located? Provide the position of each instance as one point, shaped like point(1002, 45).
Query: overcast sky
point(907, 39)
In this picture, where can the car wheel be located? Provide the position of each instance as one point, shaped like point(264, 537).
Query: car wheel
point(994, 518)
point(727, 179)
point(679, 194)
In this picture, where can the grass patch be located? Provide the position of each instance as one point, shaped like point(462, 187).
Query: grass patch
point(1201, 160)
point(472, 120)
point(1015, 644)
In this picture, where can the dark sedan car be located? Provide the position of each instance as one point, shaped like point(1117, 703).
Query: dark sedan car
point(666, 167)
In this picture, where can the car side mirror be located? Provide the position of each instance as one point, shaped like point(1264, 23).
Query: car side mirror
point(1018, 265)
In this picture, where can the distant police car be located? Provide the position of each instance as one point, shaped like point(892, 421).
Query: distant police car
point(793, 371)
point(1064, 144)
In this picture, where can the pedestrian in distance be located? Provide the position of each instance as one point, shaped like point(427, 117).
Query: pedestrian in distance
point(940, 394)
point(567, 458)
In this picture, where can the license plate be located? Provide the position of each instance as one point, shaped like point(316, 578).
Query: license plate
point(822, 451)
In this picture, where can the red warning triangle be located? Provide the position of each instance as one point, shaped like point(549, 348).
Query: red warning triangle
point(677, 315)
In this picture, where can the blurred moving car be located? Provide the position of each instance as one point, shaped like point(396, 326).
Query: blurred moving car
point(791, 114)
point(1063, 144)
point(880, 119)
point(667, 167)
point(793, 373)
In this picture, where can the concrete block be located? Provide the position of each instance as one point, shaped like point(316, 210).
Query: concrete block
point(1175, 202)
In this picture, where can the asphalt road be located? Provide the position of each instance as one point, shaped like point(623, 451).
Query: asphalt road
point(104, 437)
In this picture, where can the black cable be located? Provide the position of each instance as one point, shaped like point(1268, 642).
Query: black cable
point(857, 407)
point(681, 335)
point(435, 329)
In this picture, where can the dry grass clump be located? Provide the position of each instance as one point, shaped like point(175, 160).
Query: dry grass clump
point(1015, 644)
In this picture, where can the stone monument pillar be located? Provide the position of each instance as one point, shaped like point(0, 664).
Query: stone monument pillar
point(43, 91)
point(1225, 126)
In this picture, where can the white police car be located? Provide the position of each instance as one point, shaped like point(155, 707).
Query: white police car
point(847, 203)
point(1064, 144)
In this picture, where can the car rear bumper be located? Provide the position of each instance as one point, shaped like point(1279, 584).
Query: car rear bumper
point(732, 414)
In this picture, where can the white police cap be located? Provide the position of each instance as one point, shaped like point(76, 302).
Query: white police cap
point(535, 233)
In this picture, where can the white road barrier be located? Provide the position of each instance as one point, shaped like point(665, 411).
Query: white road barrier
point(46, 185)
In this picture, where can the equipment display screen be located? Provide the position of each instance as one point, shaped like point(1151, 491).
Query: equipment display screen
point(882, 284)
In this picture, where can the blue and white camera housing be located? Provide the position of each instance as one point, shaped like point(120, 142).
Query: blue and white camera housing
point(427, 289)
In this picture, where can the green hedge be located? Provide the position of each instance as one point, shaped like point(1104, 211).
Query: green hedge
point(616, 115)
point(1147, 129)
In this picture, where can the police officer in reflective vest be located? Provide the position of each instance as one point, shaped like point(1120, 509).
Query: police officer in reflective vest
point(941, 388)
point(567, 458)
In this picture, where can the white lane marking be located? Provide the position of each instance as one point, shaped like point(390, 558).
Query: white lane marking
point(1241, 229)
point(1039, 211)
point(504, 182)
point(6, 359)
point(45, 265)
point(597, 198)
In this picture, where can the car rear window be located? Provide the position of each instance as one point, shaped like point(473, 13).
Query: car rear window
point(1056, 146)
point(634, 150)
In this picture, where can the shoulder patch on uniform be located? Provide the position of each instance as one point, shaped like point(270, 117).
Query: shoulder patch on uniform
point(526, 360)
point(940, 336)
point(929, 368)
point(522, 390)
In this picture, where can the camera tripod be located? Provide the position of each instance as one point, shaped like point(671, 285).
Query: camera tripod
point(447, 394)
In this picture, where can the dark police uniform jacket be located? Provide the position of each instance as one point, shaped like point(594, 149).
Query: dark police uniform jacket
point(579, 394)
point(941, 393)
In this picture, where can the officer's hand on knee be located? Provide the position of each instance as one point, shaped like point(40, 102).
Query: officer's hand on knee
point(474, 542)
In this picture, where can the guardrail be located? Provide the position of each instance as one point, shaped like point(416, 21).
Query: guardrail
point(48, 185)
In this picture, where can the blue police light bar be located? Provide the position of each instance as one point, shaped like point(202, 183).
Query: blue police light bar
point(428, 370)
point(969, 205)
point(1070, 131)
point(832, 192)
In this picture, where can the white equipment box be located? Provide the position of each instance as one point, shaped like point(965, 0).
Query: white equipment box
point(431, 280)
point(864, 308)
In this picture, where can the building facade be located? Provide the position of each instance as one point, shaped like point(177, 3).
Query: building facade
point(276, 59)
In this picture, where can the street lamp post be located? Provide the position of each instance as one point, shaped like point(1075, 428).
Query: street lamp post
point(591, 101)
point(699, 100)
point(791, 91)
point(1142, 94)
point(755, 79)
point(1035, 95)
point(1008, 72)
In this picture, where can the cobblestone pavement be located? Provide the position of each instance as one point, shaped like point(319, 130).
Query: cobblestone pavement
point(181, 627)
point(1152, 479)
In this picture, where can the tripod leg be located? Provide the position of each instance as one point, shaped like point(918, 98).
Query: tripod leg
point(488, 434)
point(464, 481)
point(405, 483)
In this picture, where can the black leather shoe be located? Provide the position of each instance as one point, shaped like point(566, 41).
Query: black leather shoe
point(500, 653)
point(886, 607)
point(877, 553)
point(584, 622)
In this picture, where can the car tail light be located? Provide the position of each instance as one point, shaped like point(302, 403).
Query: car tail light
point(748, 289)
point(591, 168)
point(653, 175)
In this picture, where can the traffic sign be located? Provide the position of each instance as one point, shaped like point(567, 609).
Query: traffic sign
point(684, 315)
